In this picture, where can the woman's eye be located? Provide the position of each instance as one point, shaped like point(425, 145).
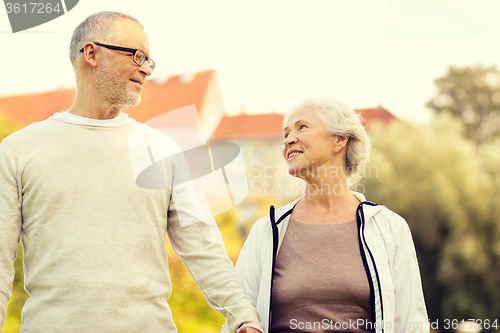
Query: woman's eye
point(302, 126)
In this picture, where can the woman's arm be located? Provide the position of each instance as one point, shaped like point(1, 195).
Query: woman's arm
point(248, 267)
point(410, 307)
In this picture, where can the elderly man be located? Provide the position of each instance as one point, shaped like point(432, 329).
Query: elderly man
point(94, 242)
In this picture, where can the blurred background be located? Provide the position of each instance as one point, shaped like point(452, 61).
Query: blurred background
point(424, 74)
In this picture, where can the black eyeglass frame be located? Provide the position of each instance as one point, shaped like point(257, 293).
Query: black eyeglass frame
point(152, 63)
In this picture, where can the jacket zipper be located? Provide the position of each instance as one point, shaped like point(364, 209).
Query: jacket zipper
point(366, 255)
point(274, 226)
point(371, 270)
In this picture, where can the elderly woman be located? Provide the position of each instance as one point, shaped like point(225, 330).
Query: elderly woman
point(331, 261)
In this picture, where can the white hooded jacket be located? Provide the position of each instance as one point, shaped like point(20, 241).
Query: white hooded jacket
point(388, 255)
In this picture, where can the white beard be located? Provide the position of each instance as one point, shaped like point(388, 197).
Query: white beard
point(113, 89)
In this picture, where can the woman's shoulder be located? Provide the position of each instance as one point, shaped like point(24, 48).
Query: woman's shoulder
point(389, 215)
point(391, 222)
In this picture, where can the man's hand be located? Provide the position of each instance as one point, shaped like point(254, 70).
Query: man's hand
point(245, 329)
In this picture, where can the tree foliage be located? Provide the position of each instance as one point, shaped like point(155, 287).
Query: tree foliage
point(471, 94)
point(435, 178)
point(6, 127)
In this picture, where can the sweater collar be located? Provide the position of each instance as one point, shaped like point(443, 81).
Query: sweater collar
point(121, 119)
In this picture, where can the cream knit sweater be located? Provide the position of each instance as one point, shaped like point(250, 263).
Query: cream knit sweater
point(94, 242)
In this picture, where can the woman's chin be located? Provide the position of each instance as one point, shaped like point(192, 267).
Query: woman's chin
point(296, 171)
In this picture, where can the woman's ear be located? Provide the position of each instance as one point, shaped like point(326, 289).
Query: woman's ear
point(340, 142)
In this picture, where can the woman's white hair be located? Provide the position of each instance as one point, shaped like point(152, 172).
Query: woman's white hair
point(95, 28)
point(340, 119)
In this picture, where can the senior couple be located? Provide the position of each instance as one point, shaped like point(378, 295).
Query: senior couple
point(94, 242)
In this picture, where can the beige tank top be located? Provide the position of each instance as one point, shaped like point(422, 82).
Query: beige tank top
point(320, 284)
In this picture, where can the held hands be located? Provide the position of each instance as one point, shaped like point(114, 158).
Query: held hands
point(245, 329)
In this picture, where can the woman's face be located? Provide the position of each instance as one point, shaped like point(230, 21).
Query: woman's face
point(308, 148)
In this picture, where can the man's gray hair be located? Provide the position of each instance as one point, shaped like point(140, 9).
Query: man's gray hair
point(95, 28)
point(340, 119)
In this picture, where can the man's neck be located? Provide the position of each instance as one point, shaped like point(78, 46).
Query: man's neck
point(90, 107)
point(95, 113)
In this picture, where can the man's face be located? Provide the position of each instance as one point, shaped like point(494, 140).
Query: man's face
point(118, 79)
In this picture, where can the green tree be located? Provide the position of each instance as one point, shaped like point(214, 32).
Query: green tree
point(435, 179)
point(471, 94)
point(18, 297)
point(6, 127)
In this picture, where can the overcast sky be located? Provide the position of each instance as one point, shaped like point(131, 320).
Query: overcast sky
point(269, 55)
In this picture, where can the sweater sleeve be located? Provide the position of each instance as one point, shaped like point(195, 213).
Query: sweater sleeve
point(201, 249)
point(10, 223)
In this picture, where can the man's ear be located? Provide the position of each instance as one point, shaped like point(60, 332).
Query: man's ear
point(340, 142)
point(89, 54)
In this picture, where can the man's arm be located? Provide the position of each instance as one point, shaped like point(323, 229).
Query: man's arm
point(196, 239)
point(199, 245)
point(10, 223)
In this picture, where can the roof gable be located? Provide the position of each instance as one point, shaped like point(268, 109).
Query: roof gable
point(377, 114)
point(174, 94)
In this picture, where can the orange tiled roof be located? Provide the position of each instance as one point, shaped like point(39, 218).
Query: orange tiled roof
point(258, 126)
point(23, 110)
point(378, 113)
point(157, 99)
point(171, 95)
point(269, 126)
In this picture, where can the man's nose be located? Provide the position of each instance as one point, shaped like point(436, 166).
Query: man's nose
point(146, 69)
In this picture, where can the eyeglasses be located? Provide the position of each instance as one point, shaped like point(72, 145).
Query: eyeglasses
point(138, 55)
